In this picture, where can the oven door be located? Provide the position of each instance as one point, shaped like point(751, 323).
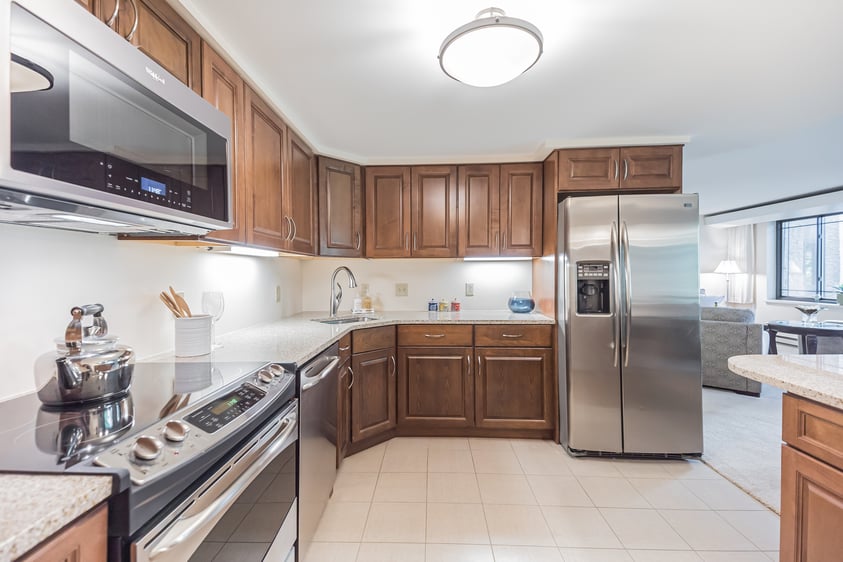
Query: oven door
point(244, 511)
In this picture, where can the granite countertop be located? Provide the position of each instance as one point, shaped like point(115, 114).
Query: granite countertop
point(817, 377)
point(298, 338)
point(35, 506)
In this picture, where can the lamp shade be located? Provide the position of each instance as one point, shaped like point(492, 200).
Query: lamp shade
point(727, 266)
point(491, 50)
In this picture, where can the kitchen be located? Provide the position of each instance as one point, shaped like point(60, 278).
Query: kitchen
point(137, 271)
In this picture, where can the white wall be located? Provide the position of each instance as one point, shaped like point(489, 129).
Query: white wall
point(43, 273)
point(436, 278)
point(713, 249)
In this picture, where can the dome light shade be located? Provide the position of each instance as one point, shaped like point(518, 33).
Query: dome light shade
point(491, 50)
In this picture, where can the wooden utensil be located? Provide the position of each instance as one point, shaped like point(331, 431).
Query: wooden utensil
point(182, 304)
point(168, 302)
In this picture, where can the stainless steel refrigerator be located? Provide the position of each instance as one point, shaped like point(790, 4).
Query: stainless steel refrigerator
point(629, 338)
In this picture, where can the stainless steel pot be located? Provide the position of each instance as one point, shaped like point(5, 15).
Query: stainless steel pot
point(88, 364)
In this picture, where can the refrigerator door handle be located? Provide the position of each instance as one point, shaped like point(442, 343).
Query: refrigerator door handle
point(616, 294)
point(627, 292)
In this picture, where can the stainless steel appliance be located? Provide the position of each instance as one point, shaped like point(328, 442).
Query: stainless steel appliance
point(97, 136)
point(318, 382)
point(204, 459)
point(629, 344)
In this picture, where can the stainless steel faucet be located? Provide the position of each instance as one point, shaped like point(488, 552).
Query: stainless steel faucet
point(336, 289)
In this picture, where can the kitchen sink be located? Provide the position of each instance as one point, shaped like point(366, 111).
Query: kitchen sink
point(345, 319)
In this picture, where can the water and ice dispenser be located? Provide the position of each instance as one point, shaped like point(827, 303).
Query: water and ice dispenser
point(593, 287)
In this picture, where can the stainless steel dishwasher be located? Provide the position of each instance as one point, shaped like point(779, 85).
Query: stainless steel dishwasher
point(318, 449)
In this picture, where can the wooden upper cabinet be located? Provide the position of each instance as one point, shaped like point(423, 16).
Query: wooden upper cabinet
point(479, 204)
point(223, 88)
point(301, 197)
point(610, 169)
point(521, 209)
point(434, 211)
point(267, 223)
point(340, 209)
point(160, 33)
point(651, 167)
point(388, 212)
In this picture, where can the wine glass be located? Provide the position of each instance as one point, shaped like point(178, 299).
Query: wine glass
point(213, 303)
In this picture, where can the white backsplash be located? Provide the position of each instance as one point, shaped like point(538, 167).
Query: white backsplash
point(46, 272)
point(493, 281)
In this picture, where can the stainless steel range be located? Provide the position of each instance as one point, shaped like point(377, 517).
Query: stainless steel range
point(203, 455)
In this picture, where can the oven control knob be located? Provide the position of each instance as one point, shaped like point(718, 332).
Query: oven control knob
point(276, 370)
point(147, 448)
point(176, 430)
point(264, 375)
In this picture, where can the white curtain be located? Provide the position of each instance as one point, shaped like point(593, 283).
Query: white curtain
point(741, 248)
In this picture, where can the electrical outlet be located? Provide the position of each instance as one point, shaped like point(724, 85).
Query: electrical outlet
point(401, 290)
point(469, 289)
point(277, 293)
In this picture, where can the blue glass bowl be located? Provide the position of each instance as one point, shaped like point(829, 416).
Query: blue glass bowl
point(521, 304)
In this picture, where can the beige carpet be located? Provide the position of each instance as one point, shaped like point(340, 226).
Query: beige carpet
point(742, 440)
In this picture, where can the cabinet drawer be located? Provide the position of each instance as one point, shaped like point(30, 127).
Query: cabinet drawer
point(436, 334)
point(518, 335)
point(370, 339)
point(813, 428)
point(345, 348)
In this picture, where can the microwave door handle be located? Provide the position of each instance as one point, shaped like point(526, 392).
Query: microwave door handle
point(627, 316)
point(177, 536)
point(616, 294)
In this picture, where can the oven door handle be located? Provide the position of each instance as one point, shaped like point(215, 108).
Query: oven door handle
point(316, 379)
point(181, 537)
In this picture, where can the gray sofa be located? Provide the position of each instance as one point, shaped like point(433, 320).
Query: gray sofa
point(725, 332)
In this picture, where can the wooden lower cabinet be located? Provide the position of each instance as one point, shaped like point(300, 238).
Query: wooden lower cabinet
point(373, 393)
point(514, 388)
point(435, 387)
point(84, 540)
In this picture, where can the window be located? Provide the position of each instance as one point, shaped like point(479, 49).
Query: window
point(809, 257)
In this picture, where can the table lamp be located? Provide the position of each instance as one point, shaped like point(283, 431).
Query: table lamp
point(727, 268)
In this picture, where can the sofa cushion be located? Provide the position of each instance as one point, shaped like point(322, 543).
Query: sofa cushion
point(725, 314)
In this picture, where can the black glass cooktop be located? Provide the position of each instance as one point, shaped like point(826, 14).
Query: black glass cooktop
point(38, 438)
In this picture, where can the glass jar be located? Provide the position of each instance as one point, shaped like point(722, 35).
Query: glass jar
point(521, 302)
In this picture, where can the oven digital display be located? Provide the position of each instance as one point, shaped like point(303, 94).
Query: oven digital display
point(217, 414)
point(154, 187)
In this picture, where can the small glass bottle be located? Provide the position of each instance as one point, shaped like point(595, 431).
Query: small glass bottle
point(432, 305)
point(444, 305)
point(366, 300)
point(455, 305)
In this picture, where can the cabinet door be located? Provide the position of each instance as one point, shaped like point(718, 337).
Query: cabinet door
point(346, 379)
point(301, 196)
point(373, 393)
point(479, 205)
point(267, 224)
point(521, 209)
point(340, 209)
point(435, 389)
point(222, 87)
point(812, 509)
point(646, 167)
point(434, 208)
point(513, 388)
point(84, 540)
point(589, 169)
point(388, 212)
point(160, 33)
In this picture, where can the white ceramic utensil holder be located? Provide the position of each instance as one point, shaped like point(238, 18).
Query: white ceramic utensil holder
point(193, 335)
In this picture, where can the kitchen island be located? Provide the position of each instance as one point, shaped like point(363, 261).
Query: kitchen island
point(812, 454)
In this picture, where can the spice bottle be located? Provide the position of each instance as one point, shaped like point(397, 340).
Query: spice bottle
point(432, 305)
point(444, 305)
point(455, 305)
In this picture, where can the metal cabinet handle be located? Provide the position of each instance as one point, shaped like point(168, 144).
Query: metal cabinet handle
point(295, 229)
point(110, 21)
point(497, 239)
point(479, 367)
point(503, 240)
point(616, 168)
point(289, 228)
point(357, 246)
point(351, 372)
point(135, 23)
point(434, 335)
point(415, 244)
point(394, 365)
point(346, 348)
point(406, 240)
point(468, 364)
point(625, 168)
point(512, 335)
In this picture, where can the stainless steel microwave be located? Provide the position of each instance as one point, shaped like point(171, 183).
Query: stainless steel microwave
point(98, 137)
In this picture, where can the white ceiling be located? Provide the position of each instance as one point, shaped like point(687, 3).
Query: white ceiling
point(742, 82)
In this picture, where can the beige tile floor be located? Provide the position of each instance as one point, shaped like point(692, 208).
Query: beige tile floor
point(511, 500)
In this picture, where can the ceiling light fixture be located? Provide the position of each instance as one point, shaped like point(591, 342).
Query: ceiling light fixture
point(491, 50)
